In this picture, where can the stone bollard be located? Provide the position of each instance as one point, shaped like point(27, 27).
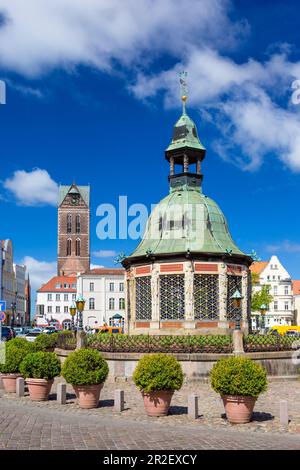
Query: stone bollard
point(80, 339)
point(283, 413)
point(193, 411)
point(119, 400)
point(61, 393)
point(20, 386)
point(237, 340)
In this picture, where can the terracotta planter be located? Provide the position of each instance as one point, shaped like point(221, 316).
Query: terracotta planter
point(39, 389)
point(88, 396)
point(9, 382)
point(238, 408)
point(157, 403)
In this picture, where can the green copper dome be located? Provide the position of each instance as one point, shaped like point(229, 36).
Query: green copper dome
point(186, 220)
point(185, 135)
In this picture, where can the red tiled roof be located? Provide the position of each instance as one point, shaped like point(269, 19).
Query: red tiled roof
point(102, 271)
point(296, 287)
point(50, 286)
point(258, 266)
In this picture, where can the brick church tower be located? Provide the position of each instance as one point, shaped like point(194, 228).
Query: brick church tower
point(73, 230)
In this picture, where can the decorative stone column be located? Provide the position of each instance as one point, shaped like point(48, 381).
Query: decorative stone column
point(155, 296)
point(245, 325)
point(189, 295)
point(172, 166)
point(223, 287)
point(198, 167)
point(185, 164)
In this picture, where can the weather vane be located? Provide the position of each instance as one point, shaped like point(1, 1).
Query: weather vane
point(183, 88)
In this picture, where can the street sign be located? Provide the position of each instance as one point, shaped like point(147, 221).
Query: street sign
point(2, 316)
point(2, 305)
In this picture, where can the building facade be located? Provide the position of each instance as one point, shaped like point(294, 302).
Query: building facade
point(296, 296)
point(54, 300)
point(104, 293)
point(281, 310)
point(182, 277)
point(12, 285)
point(73, 230)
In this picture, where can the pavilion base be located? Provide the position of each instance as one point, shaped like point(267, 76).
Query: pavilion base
point(187, 327)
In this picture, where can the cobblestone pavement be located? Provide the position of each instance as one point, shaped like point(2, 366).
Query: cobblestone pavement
point(47, 425)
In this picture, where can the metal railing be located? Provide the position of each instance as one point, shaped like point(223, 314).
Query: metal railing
point(260, 343)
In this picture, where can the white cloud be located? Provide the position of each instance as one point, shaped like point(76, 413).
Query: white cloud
point(39, 271)
point(96, 266)
point(33, 188)
point(37, 36)
point(284, 246)
point(104, 253)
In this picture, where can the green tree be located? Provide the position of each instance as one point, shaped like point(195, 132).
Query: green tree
point(261, 297)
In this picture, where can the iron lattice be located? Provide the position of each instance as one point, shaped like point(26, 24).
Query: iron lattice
point(143, 298)
point(172, 298)
point(206, 296)
point(234, 283)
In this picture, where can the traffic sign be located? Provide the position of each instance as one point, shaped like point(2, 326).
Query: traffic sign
point(2, 305)
point(2, 316)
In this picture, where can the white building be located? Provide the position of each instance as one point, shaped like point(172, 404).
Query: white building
point(54, 300)
point(103, 291)
point(12, 285)
point(296, 294)
point(281, 309)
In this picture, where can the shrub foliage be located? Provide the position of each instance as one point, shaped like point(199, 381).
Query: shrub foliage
point(45, 341)
point(40, 365)
point(85, 367)
point(158, 372)
point(15, 351)
point(238, 376)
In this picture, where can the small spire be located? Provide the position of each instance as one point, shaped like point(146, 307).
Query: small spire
point(184, 89)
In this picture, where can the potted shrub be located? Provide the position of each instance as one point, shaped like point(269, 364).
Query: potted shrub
point(39, 369)
point(239, 381)
point(15, 351)
point(86, 370)
point(46, 342)
point(158, 376)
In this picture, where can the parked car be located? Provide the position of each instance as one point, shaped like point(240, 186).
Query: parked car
point(6, 333)
point(49, 329)
point(31, 336)
point(21, 330)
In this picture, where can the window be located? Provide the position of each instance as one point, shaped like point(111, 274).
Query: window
point(286, 290)
point(275, 305)
point(274, 277)
point(49, 309)
point(143, 298)
point(121, 286)
point(57, 297)
point(172, 295)
point(275, 290)
point(69, 247)
point(92, 287)
point(268, 278)
point(57, 309)
point(92, 303)
point(49, 297)
point(121, 304)
point(278, 278)
point(206, 296)
point(77, 223)
point(58, 286)
point(286, 305)
point(73, 296)
point(66, 309)
point(73, 286)
point(69, 223)
point(111, 304)
point(111, 286)
point(77, 252)
point(66, 297)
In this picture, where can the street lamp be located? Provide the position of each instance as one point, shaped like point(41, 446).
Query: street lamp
point(237, 303)
point(13, 310)
point(80, 302)
point(263, 308)
point(73, 309)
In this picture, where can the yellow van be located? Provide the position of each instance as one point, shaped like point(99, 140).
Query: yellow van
point(282, 329)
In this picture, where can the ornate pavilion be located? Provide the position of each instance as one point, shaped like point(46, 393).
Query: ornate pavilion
point(184, 274)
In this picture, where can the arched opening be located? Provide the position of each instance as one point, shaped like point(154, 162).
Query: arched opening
point(69, 247)
point(77, 224)
point(69, 223)
point(77, 250)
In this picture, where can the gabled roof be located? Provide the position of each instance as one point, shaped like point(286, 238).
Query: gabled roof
point(258, 266)
point(50, 286)
point(296, 287)
point(105, 271)
point(84, 192)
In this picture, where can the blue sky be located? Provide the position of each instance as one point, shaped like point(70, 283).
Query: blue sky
point(92, 95)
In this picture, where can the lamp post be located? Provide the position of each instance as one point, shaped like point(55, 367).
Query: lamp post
point(80, 302)
point(237, 303)
point(73, 309)
point(13, 310)
point(263, 308)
